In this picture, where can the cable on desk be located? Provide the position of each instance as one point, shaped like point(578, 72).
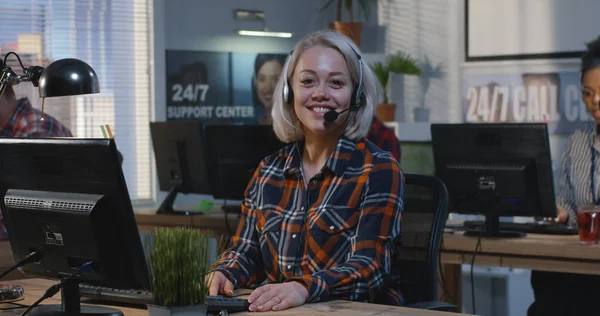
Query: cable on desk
point(477, 246)
point(442, 279)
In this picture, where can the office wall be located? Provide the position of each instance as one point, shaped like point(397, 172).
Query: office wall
point(428, 30)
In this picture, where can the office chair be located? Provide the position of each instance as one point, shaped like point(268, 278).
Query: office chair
point(415, 259)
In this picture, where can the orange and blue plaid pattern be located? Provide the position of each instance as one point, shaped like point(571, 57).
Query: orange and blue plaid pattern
point(333, 233)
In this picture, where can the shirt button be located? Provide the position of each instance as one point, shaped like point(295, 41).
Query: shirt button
point(302, 208)
point(331, 227)
point(315, 181)
point(289, 267)
point(294, 236)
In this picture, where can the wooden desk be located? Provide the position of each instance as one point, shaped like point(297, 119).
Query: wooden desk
point(537, 252)
point(35, 288)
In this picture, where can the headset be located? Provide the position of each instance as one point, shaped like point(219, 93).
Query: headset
point(358, 95)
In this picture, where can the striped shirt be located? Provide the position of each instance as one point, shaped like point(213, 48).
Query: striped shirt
point(574, 189)
point(334, 233)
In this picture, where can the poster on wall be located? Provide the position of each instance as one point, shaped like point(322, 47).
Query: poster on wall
point(552, 97)
point(222, 87)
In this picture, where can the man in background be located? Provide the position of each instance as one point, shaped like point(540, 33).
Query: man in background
point(19, 119)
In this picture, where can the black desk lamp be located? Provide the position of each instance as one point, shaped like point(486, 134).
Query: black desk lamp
point(61, 78)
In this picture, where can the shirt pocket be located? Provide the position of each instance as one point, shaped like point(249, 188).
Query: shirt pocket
point(334, 224)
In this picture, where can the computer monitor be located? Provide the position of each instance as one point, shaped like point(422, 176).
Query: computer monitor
point(179, 153)
point(68, 198)
point(417, 157)
point(495, 170)
point(233, 152)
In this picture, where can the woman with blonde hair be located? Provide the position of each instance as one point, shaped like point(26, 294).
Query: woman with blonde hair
point(320, 216)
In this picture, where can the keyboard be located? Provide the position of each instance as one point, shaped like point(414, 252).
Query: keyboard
point(531, 227)
point(115, 295)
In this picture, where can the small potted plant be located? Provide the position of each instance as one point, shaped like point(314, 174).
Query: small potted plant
point(401, 63)
point(352, 28)
point(179, 260)
point(429, 71)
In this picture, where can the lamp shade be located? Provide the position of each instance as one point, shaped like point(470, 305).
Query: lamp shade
point(68, 77)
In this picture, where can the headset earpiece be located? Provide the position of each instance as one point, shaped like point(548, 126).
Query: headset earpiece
point(288, 94)
point(358, 97)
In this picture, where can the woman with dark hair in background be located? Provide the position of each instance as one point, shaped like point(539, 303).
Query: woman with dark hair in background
point(267, 68)
point(579, 185)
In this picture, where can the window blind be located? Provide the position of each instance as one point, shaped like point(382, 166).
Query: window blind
point(115, 38)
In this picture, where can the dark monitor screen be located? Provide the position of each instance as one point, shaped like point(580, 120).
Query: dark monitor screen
point(233, 152)
point(179, 153)
point(68, 198)
point(495, 169)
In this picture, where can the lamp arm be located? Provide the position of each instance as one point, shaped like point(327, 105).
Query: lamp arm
point(6, 78)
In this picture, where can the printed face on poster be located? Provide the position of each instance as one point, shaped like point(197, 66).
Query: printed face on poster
point(554, 98)
point(222, 87)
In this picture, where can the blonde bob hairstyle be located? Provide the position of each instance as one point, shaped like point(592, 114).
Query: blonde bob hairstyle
point(286, 124)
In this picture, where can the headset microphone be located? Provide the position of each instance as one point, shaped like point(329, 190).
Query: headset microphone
point(332, 115)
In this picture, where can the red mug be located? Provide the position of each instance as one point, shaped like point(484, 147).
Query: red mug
point(588, 221)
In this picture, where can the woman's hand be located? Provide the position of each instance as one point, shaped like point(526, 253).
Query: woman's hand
point(219, 284)
point(562, 217)
point(277, 297)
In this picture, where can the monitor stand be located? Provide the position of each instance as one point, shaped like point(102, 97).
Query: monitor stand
point(166, 207)
point(491, 229)
point(70, 305)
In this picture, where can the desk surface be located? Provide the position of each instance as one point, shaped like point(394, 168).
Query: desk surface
point(535, 251)
point(35, 288)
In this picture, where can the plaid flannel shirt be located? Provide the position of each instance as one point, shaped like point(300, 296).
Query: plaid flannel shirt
point(333, 233)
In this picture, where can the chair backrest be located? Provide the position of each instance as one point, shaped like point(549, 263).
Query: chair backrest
point(416, 254)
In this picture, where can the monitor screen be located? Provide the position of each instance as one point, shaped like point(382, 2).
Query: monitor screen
point(495, 169)
point(180, 161)
point(233, 152)
point(68, 199)
point(417, 157)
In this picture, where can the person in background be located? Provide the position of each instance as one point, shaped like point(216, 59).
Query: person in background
point(579, 185)
point(267, 69)
point(320, 217)
point(385, 138)
point(19, 119)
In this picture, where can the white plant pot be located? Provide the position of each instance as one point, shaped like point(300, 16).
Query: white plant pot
point(421, 114)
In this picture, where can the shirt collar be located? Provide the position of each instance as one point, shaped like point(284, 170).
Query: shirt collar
point(336, 163)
